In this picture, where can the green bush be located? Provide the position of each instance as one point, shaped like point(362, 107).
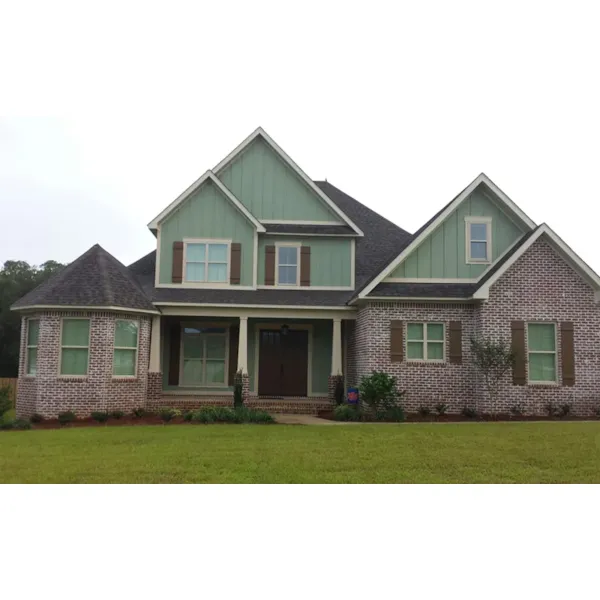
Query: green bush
point(395, 414)
point(139, 412)
point(204, 415)
point(117, 414)
point(100, 417)
point(224, 414)
point(379, 391)
point(252, 415)
point(441, 408)
point(167, 413)
point(36, 418)
point(9, 415)
point(565, 410)
point(66, 417)
point(187, 416)
point(238, 389)
point(21, 424)
point(345, 412)
point(517, 409)
point(551, 409)
point(6, 424)
point(597, 411)
point(424, 411)
point(5, 401)
point(468, 412)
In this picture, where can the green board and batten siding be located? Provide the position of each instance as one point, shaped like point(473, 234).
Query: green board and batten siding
point(443, 253)
point(270, 189)
point(330, 259)
point(207, 214)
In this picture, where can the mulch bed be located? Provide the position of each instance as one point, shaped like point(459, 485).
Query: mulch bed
point(89, 422)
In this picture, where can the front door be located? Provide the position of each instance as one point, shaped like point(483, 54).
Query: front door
point(283, 363)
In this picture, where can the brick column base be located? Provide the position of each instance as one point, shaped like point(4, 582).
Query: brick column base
point(245, 387)
point(155, 391)
point(333, 382)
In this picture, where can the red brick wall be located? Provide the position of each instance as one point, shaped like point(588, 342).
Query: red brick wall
point(48, 394)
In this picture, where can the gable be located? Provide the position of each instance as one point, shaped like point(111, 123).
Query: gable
point(270, 189)
point(207, 213)
point(442, 254)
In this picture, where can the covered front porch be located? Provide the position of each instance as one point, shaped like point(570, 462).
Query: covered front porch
point(290, 360)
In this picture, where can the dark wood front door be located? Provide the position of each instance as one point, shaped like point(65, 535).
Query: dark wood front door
point(283, 363)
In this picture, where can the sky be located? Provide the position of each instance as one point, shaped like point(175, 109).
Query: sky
point(111, 110)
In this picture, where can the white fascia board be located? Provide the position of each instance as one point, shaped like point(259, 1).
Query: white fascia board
point(209, 175)
point(482, 178)
point(62, 307)
point(287, 159)
point(556, 241)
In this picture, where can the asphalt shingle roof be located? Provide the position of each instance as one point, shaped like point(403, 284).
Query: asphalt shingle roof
point(425, 290)
point(344, 230)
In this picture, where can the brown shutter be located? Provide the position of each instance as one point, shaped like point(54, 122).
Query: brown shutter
point(269, 265)
point(518, 347)
point(236, 263)
point(567, 351)
point(305, 265)
point(177, 271)
point(455, 342)
point(175, 342)
point(234, 338)
point(396, 342)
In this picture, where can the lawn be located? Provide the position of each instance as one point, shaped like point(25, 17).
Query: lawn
point(409, 453)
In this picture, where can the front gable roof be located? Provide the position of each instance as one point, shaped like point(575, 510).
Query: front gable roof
point(423, 232)
point(208, 176)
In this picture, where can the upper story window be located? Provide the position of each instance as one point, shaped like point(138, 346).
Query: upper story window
point(207, 261)
point(288, 261)
point(479, 239)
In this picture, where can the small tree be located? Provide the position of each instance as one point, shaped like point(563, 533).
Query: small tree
point(493, 360)
point(379, 392)
point(238, 395)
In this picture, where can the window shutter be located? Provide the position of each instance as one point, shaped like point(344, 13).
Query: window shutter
point(396, 342)
point(174, 353)
point(177, 270)
point(235, 264)
point(234, 338)
point(305, 265)
point(269, 265)
point(567, 350)
point(518, 347)
point(455, 350)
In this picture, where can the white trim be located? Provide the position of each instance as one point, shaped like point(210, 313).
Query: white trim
point(302, 234)
point(341, 288)
point(198, 285)
point(298, 247)
point(60, 348)
point(441, 217)
point(254, 263)
point(154, 364)
point(425, 280)
point(487, 221)
point(425, 341)
point(157, 263)
point(555, 352)
point(412, 299)
point(137, 349)
point(262, 312)
point(307, 180)
point(576, 262)
point(208, 176)
point(353, 264)
point(197, 392)
point(207, 242)
point(202, 325)
point(30, 347)
point(284, 222)
point(85, 308)
point(308, 327)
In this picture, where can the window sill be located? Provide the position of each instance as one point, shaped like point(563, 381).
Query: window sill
point(73, 377)
point(29, 376)
point(125, 378)
point(417, 361)
point(543, 383)
point(479, 262)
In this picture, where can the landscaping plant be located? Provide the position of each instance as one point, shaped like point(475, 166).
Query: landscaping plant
point(238, 389)
point(551, 409)
point(565, 410)
point(517, 409)
point(5, 401)
point(424, 411)
point(441, 408)
point(167, 414)
point(36, 418)
point(345, 412)
point(139, 412)
point(66, 417)
point(187, 416)
point(100, 417)
point(117, 414)
point(379, 391)
point(468, 412)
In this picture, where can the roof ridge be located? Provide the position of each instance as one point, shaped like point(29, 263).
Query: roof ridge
point(106, 287)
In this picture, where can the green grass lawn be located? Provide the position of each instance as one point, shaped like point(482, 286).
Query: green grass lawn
point(420, 453)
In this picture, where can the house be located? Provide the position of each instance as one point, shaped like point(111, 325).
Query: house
point(257, 268)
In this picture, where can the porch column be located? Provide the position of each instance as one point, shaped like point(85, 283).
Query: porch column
point(336, 348)
point(242, 363)
point(155, 345)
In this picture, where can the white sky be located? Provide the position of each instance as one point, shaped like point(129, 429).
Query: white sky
point(399, 104)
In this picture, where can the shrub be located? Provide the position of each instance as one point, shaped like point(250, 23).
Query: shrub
point(345, 412)
point(224, 414)
point(565, 409)
point(167, 414)
point(36, 418)
point(379, 392)
point(139, 412)
point(394, 414)
point(424, 411)
point(517, 409)
point(441, 408)
point(238, 389)
point(597, 411)
point(100, 417)
point(66, 417)
point(251, 415)
point(5, 401)
point(187, 416)
point(21, 424)
point(468, 412)
point(338, 392)
point(204, 415)
point(550, 409)
point(6, 424)
point(117, 414)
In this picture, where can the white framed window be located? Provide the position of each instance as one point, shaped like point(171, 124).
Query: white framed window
point(206, 261)
point(541, 352)
point(478, 239)
point(426, 341)
point(33, 332)
point(204, 356)
point(125, 351)
point(74, 347)
point(287, 262)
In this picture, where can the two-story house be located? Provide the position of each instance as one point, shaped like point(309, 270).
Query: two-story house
point(259, 269)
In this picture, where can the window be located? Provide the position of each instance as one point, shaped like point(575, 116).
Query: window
point(125, 348)
point(207, 262)
point(204, 352)
point(74, 347)
point(287, 265)
point(425, 341)
point(479, 239)
point(541, 349)
point(33, 332)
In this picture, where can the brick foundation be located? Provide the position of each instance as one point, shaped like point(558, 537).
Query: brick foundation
point(332, 384)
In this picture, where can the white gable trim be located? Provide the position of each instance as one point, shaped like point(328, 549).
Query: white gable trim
point(307, 180)
point(483, 178)
point(576, 262)
point(208, 176)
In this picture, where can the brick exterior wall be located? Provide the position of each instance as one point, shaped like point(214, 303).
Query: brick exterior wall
point(48, 394)
point(540, 286)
